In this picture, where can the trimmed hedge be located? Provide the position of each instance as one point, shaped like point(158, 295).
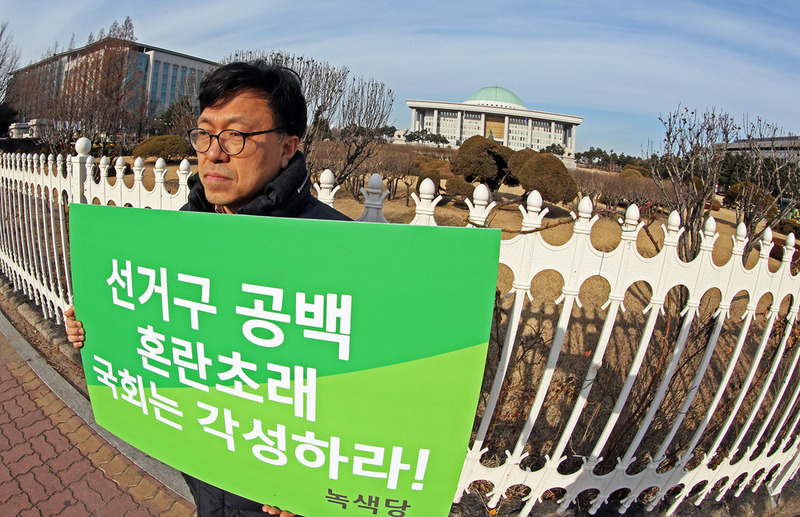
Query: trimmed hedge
point(787, 226)
point(427, 163)
point(519, 159)
point(637, 171)
point(629, 172)
point(547, 174)
point(480, 159)
point(169, 147)
point(734, 195)
point(459, 187)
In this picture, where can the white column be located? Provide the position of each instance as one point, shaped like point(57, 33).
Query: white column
point(483, 124)
point(552, 132)
point(572, 140)
point(435, 128)
point(413, 119)
point(529, 143)
point(460, 129)
point(506, 132)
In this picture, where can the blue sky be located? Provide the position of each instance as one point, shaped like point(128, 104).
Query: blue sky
point(618, 64)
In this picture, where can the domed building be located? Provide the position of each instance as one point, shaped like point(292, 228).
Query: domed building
point(496, 113)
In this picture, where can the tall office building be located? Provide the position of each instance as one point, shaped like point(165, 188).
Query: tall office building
point(159, 76)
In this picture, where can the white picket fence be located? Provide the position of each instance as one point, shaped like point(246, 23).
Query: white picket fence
point(744, 434)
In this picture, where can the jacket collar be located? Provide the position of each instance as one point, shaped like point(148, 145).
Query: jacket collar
point(284, 196)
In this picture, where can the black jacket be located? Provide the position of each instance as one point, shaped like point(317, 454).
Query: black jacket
point(288, 195)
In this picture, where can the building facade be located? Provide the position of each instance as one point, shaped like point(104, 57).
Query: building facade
point(168, 75)
point(497, 113)
point(779, 147)
point(137, 77)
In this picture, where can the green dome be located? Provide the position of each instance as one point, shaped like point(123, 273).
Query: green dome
point(495, 95)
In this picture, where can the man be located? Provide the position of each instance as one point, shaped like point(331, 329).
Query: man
point(252, 118)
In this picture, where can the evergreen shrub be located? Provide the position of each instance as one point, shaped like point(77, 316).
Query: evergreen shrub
point(169, 147)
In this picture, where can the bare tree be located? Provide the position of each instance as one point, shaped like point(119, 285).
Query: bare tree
point(57, 99)
point(98, 90)
point(118, 82)
point(349, 112)
point(324, 85)
point(769, 171)
point(365, 112)
point(179, 117)
point(590, 183)
point(9, 58)
point(395, 168)
point(687, 166)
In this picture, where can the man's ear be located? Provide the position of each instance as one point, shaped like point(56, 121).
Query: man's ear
point(289, 146)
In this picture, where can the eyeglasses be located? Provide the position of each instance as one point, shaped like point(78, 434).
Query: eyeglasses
point(230, 141)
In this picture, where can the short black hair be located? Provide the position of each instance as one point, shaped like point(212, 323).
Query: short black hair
point(280, 85)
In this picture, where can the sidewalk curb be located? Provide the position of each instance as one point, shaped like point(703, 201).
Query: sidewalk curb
point(165, 474)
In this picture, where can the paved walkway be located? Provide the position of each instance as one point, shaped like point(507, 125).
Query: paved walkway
point(52, 462)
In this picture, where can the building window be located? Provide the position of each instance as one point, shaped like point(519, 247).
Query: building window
point(183, 80)
point(154, 82)
point(174, 87)
point(164, 76)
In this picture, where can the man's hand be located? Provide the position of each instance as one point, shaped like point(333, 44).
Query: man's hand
point(274, 510)
point(75, 333)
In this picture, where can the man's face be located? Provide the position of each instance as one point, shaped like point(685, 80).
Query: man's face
point(234, 181)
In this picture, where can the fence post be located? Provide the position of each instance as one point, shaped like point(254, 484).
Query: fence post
point(373, 200)
point(78, 178)
point(325, 188)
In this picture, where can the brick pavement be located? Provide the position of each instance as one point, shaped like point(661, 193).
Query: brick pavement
point(53, 463)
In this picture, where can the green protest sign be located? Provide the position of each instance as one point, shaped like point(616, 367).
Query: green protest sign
point(313, 365)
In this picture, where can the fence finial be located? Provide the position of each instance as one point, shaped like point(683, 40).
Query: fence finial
point(480, 210)
point(426, 206)
point(739, 240)
point(632, 215)
point(83, 146)
point(119, 166)
point(674, 221)
point(710, 228)
point(585, 208)
point(160, 172)
point(673, 230)
point(709, 235)
point(325, 189)
point(584, 220)
point(532, 218)
point(184, 169)
point(61, 166)
point(105, 164)
point(788, 249)
point(373, 200)
point(631, 225)
point(138, 170)
point(766, 243)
